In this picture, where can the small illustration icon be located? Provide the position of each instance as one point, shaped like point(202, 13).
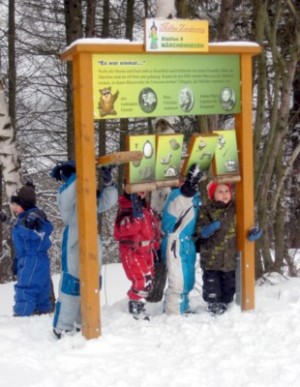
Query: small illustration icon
point(166, 160)
point(227, 99)
point(174, 144)
point(106, 101)
point(231, 165)
point(153, 37)
point(148, 150)
point(147, 100)
point(221, 142)
point(186, 99)
point(170, 172)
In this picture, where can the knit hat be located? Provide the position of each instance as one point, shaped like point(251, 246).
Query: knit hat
point(212, 186)
point(25, 197)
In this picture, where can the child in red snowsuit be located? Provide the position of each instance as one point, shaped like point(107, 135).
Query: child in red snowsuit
point(137, 231)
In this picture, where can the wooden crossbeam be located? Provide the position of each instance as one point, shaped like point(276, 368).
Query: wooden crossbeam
point(119, 158)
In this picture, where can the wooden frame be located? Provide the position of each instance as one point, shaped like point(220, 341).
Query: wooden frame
point(80, 53)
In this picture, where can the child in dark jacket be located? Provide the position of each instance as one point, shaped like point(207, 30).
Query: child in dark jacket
point(31, 241)
point(138, 233)
point(216, 233)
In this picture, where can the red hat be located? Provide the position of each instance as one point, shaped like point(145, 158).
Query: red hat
point(211, 187)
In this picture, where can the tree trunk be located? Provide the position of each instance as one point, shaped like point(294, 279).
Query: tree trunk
point(275, 26)
point(73, 24)
point(105, 19)
point(129, 20)
point(12, 63)
point(90, 18)
point(279, 221)
point(9, 159)
point(225, 20)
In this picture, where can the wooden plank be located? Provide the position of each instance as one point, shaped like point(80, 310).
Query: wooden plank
point(119, 158)
point(168, 183)
point(140, 187)
point(227, 179)
point(151, 186)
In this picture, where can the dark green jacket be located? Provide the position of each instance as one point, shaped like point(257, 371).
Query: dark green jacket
point(219, 251)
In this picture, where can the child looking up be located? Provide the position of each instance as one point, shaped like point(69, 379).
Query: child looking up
point(179, 218)
point(137, 231)
point(216, 233)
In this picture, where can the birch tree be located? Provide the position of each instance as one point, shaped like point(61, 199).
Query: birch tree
point(9, 159)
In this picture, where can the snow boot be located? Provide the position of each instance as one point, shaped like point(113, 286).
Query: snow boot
point(217, 308)
point(137, 309)
point(60, 333)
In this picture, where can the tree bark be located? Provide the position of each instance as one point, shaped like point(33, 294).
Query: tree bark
point(90, 18)
point(74, 31)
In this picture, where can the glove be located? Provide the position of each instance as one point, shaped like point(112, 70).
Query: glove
point(63, 170)
point(254, 233)
point(137, 205)
point(56, 172)
point(191, 185)
point(3, 217)
point(33, 221)
point(208, 230)
point(14, 267)
point(106, 175)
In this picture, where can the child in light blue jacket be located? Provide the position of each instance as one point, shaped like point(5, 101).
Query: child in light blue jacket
point(67, 317)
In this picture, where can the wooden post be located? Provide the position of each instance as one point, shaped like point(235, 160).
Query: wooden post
point(244, 194)
point(86, 195)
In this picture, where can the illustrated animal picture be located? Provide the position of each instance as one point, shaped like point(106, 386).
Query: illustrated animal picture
point(106, 101)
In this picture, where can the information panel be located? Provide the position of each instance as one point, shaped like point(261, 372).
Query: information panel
point(147, 85)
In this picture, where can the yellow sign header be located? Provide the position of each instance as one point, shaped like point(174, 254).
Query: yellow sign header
point(178, 35)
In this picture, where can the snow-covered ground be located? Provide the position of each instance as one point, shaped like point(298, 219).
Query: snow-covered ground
point(260, 348)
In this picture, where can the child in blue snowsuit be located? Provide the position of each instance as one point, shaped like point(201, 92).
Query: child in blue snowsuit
point(179, 218)
point(31, 241)
point(67, 317)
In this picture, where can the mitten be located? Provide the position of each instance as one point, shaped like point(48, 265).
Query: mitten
point(33, 221)
point(3, 217)
point(137, 205)
point(63, 170)
point(56, 172)
point(194, 176)
point(14, 268)
point(67, 170)
point(106, 176)
point(254, 233)
point(208, 230)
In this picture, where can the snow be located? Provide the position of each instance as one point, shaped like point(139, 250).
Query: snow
point(110, 41)
point(259, 348)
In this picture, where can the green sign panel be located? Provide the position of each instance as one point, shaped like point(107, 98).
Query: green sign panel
point(148, 85)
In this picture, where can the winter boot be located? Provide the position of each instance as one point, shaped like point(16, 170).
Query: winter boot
point(60, 333)
point(137, 309)
point(217, 308)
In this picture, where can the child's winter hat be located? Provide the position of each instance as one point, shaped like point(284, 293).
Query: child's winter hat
point(212, 186)
point(25, 197)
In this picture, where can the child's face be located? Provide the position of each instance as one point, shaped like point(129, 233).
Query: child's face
point(16, 208)
point(222, 193)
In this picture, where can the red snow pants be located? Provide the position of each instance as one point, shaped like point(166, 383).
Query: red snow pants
point(138, 264)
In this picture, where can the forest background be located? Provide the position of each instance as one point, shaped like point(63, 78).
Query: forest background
point(38, 87)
